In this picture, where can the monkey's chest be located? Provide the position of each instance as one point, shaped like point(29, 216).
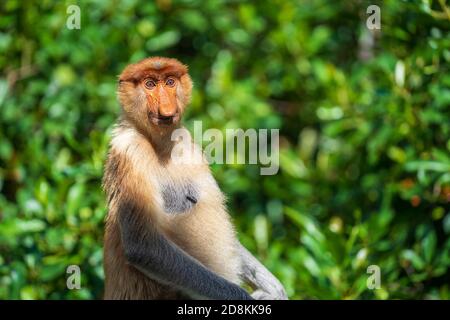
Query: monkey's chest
point(179, 197)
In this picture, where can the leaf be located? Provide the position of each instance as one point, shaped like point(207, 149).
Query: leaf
point(429, 246)
point(163, 41)
point(411, 256)
point(427, 165)
point(14, 228)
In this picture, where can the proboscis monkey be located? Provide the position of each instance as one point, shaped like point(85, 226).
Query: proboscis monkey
point(168, 234)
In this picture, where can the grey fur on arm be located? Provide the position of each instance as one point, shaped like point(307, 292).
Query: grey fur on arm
point(158, 258)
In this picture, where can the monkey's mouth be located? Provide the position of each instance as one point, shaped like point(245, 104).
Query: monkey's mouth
point(163, 120)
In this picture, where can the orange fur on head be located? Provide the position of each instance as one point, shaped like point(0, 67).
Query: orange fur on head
point(153, 65)
point(159, 106)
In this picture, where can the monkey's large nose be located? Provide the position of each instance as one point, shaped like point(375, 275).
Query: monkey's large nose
point(167, 105)
point(166, 112)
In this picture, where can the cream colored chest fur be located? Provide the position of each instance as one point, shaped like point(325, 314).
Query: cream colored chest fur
point(187, 203)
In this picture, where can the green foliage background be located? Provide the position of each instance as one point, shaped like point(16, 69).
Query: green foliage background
point(365, 136)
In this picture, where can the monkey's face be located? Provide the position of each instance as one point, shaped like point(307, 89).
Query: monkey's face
point(164, 105)
point(154, 92)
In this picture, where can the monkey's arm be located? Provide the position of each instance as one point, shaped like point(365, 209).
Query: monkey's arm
point(266, 286)
point(158, 258)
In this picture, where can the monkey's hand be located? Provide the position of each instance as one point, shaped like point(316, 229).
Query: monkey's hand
point(262, 295)
point(266, 286)
point(273, 291)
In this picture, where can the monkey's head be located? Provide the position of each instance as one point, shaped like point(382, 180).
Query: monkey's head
point(154, 92)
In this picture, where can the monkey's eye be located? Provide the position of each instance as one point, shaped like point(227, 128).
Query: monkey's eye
point(150, 84)
point(170, 82)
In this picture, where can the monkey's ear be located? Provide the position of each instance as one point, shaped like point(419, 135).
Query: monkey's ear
point(121, 82)
point(186, 83)
point(120, 79)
